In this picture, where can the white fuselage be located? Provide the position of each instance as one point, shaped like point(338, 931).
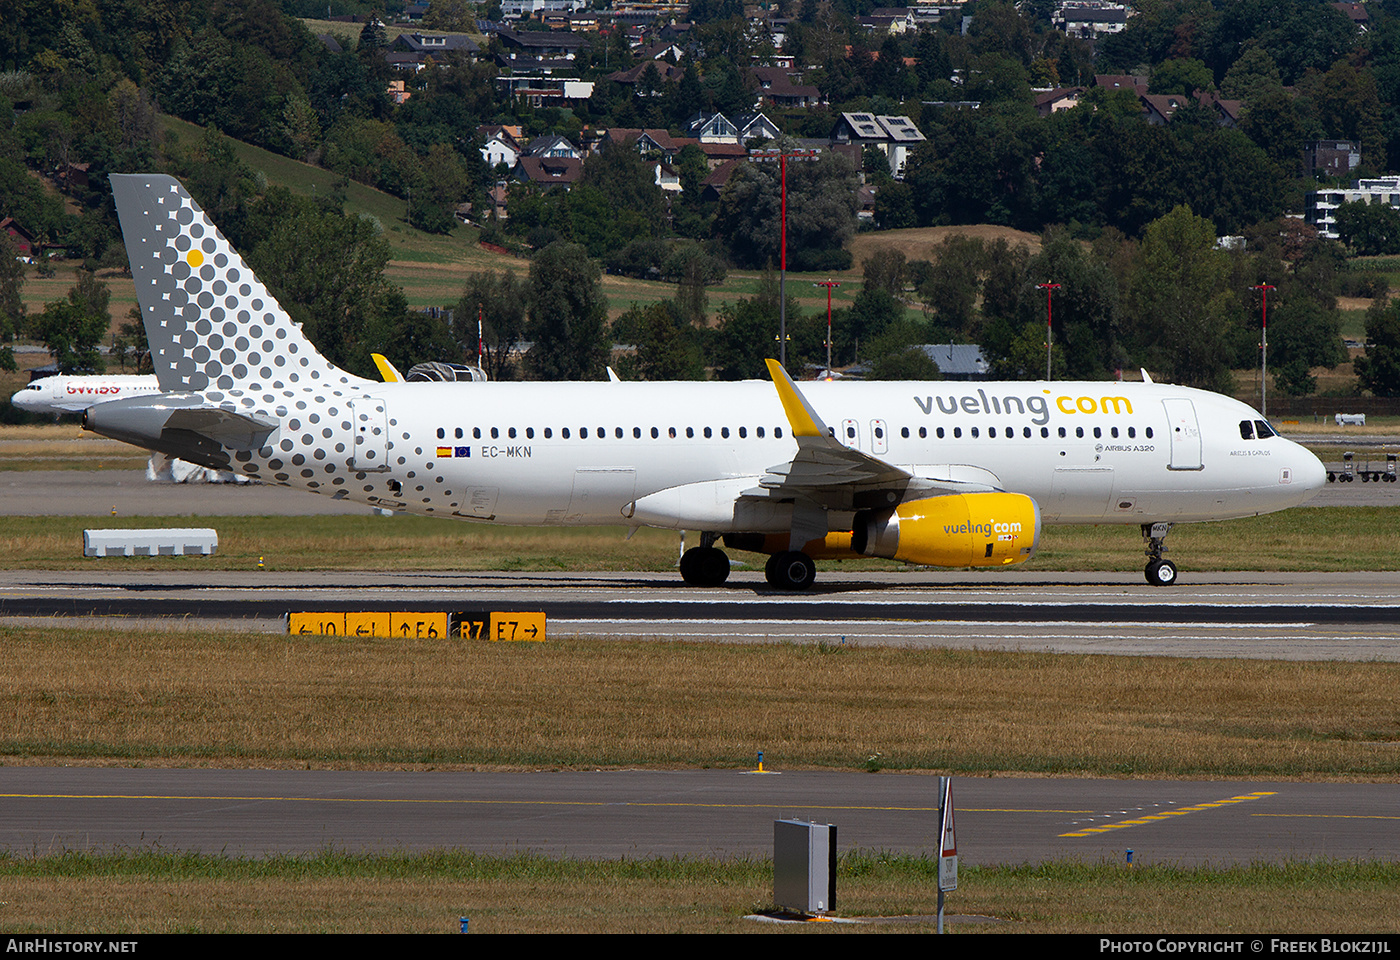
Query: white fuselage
point(65, 393)
point(580, 453)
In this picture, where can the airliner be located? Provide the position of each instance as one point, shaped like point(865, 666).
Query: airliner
point(929, 473)
point(74, 393)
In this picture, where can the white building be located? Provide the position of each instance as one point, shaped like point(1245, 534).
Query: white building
point(1321, 205)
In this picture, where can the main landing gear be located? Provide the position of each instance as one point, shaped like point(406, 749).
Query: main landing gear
point(790, 570)
point(1159, 572)
point(705, 565)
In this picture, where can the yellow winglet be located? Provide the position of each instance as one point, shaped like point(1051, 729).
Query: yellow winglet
point(386, 369)
point(801, 416)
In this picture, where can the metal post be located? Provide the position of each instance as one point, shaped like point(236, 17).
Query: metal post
point(1049, 289)
point(828, 284)
point(1264, 289)
point(782, 158)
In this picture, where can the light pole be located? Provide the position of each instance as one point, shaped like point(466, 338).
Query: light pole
point(1049, 289)
point(1264, 289)
point(828, 284)
point(768, 156)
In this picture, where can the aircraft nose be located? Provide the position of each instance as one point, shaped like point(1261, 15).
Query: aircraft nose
point(1310, 474)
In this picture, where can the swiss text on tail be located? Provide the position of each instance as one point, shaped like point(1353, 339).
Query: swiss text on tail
point(211, 323)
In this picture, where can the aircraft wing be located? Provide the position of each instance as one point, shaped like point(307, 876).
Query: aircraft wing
point(827, 472)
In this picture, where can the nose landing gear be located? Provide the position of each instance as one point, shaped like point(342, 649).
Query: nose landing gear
point(1159, 572)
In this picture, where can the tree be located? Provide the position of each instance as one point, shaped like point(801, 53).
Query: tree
point(1370, 229)
point(748, 332)
point(1378, 370)
point(666, 348)
point(951, 288)
point(73, 329)
point(1180, 309)
point(1303, 334)
point(884, 270)
point(568, 315)
point(1182, 77)
point(327, 270)
point(821, 213)
point(11, 288)
point(131, 346)
point(499, 300)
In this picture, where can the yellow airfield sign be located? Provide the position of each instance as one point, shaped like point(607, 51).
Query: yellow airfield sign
point(414, 625)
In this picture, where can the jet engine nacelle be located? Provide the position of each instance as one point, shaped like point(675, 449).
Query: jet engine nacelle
point(957, 530)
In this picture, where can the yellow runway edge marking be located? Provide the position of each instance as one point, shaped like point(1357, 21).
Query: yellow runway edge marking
point(1180, 811)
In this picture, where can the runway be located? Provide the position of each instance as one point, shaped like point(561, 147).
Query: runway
point(689, 813)
point(1287, 616)
point(1297, 616)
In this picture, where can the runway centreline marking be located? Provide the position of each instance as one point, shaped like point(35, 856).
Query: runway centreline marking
point(526, 803)
point(1180, 811)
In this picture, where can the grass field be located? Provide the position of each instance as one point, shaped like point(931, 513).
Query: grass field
point(1304, 539)
point(233, 700)
point(332, 892)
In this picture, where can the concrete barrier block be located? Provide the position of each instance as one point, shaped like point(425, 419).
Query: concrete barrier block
point(172, 542)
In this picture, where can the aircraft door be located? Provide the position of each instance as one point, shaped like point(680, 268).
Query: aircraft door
point(879, 437)
point(1185, 435)
point(369, 420)
point(850, 433)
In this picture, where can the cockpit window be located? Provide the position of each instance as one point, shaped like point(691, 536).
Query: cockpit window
point(1263, 429)
point(1246, 430)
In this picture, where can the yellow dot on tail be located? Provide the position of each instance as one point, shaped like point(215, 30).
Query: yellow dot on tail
point(195, 258)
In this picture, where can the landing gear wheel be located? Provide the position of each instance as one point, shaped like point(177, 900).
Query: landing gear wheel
point(790, 570)
point(1161, 573)
point(704, 566)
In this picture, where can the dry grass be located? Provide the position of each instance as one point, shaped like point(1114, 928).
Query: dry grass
point(252, 699)
point(922, 243)
point(65, 447)
point(427, 893)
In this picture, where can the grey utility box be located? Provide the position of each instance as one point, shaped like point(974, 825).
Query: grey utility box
point(804, 866)
point(173, 542)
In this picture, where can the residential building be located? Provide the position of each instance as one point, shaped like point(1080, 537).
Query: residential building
point(1320, 206)
point(1089, 19)
point(1331, 158)
point(895, 136)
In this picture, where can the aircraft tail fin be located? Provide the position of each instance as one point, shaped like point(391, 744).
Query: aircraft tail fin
point(211, 323)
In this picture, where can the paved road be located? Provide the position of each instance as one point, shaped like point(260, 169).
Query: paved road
point(693, 812)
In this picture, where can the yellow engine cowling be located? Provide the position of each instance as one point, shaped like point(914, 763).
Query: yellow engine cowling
point(958, 530)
